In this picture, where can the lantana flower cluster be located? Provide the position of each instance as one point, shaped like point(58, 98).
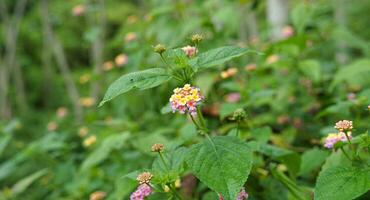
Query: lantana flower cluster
point(344, 127)
point(333, 138)
point(241, 196)
point(186, 99)
point(141, 192)
point(144, 188)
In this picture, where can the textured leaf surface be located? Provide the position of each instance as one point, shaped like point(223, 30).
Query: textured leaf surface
point(222, 163)
point(175, 160)
point(312, 160)
point(217, 56)
point(137, 80)
point(342, 183)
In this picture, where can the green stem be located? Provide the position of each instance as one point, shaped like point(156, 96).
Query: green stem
point(195, 123)
point(237, 129)
point(350, 143)
point(164, 162)
point(345, 153)
point(169, 66)
point(174, 192)
point(201, 119)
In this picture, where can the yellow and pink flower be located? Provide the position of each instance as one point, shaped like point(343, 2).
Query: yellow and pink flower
point(333, 138)
point(186, 99)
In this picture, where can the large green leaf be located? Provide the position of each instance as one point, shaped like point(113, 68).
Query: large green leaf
point(136, 80)
point(217, 56)
point(174, 160)
point(311, 68)
point(312, 160)
point(174, 166)
point(290, 158)
point(342, 183)
point(110, 143)
point(24, 183)
point(358, 71)
point(301, 15)
point(222, 163)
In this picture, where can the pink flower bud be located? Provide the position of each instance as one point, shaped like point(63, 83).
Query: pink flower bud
point(190, 51)
point(141, 192)
point(78, 10)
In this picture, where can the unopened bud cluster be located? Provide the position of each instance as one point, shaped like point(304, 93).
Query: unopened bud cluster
point(159, 48)
point(239, 114)
point(344, 125)
point(157, 147)
point(196, 38)
point(144, 177)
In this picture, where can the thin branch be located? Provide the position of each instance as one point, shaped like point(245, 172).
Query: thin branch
point(60, 59)
point(97, 48)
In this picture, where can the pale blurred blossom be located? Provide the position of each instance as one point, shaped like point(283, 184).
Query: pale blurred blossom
point(62, 112)
point(232, 97)
point(190, 51)
point(52, 126)
point(129, 37)
point(287, 31)
point(98, 195)
point(83, 131)
point(229, 72)
point(250, 67)
point(87, 101)
point(107, 66)
point(351, 96)
point(272, 59)
point(89, 141)
point(121, 60)
point(78, 10)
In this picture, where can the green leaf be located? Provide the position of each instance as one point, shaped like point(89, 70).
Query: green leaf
point(312, 159)
point(176, 57)
point(311, 68)
point(217, 56)
point(301, 15)
point(137, 80)
point(24, 183)
point(298, 192)
point(174, 165)
point(222, 163)
point(290, 158)
point(110, 143)
point(261, 134)
point(358, 70)
point(174, 159)
point(228, 109)
point(4, 141)
point(166, 109)
point(342, 183)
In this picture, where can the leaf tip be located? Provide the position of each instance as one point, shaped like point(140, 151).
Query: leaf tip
point(101, 103)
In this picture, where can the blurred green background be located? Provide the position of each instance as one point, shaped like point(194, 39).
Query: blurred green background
point(58, 57)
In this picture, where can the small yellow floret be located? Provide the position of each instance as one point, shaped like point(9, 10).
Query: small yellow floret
point(187, 87)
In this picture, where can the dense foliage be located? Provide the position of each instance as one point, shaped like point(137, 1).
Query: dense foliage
point(88, 89)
